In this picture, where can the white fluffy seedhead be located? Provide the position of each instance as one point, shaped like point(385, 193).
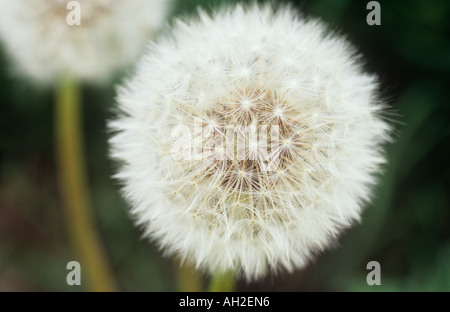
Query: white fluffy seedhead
point(262, 201)
point(45, 46)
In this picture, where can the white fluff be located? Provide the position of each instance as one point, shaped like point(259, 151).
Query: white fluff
point(249, 66)
point(111, 35)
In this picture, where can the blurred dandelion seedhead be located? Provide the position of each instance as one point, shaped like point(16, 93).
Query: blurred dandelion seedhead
point(110, 35)
point(248, 68)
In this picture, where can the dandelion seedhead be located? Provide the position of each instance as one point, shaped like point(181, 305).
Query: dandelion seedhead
point(248, 139)
point(45, 46)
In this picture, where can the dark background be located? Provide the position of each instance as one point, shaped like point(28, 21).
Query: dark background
point(406, 228)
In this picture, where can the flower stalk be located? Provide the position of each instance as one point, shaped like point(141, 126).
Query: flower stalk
point(223, 282)
point(73, 183)
point(187, 278)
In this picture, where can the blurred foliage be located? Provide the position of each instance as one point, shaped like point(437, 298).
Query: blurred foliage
point(406, 228)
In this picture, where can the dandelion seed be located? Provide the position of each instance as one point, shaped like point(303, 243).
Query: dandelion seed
point(252, 214)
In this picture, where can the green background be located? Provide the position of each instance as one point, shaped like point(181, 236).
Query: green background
point(406, 228)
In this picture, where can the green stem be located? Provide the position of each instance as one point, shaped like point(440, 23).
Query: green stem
point(223, 282)
point(73, 183)
point(188, 279)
